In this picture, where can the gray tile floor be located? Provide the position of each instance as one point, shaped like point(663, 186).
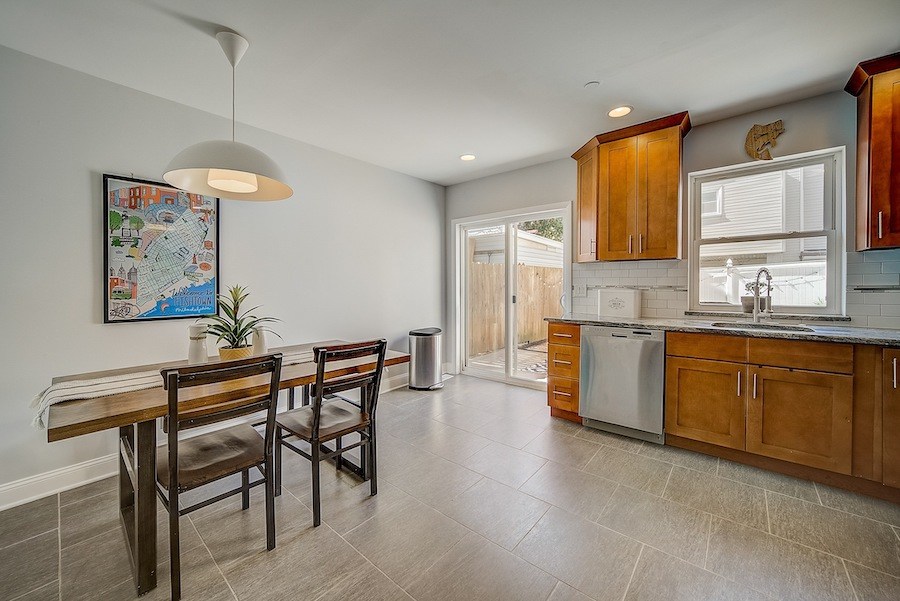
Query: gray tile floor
point(484, 496)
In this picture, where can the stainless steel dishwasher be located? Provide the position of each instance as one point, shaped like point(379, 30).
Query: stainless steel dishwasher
point(622, 376)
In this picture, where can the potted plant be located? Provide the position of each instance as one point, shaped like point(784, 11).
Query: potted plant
point(235, 325)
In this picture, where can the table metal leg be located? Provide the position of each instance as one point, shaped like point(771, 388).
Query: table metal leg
point(304, 395)
point(137, 500)
point(290, 398)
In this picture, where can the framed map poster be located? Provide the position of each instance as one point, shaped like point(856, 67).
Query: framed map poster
point(161, 251)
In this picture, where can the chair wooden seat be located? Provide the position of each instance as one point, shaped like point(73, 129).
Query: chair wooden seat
point(208, 457)
point(338, 418)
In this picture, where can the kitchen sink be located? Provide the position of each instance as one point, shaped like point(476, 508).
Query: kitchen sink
point(761, 326)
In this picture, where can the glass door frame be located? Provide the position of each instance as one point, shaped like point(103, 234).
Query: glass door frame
point(459, 289)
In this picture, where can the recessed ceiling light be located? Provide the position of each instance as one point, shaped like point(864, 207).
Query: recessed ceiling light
point(467, 157)
point(620, 111)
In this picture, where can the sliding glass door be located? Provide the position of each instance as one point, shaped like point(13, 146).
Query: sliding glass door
point(514, 276)
point(539, 267)
point(486, 346)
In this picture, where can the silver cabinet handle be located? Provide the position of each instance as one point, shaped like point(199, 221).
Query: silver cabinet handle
point(629, 243)
point(593, 246)
point(894, 364)
point(879, 225)
point(562, 362)
point(739, 383)
point(556, 392)
point(754, 386)
point(562, 335)
point(640, 243)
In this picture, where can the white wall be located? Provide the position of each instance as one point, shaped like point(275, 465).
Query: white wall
point(356, 253)
point(821, 122)
point(547, 183)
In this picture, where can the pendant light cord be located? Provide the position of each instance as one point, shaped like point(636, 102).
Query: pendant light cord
point(232, 102)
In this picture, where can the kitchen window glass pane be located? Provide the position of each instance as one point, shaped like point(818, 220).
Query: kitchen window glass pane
point(782, 201)
point(799, 271)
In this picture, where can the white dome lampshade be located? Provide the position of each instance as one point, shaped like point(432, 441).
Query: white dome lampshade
point(229, 170)
point(225, 168)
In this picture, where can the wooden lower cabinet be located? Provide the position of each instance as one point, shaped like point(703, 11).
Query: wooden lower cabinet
point(563, 363)
point(705, 400)
point(801, 416)
point(562, 393)
point(890, 413)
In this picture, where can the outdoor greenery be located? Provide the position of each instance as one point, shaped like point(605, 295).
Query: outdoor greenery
point(548, 228)
point(236, 324)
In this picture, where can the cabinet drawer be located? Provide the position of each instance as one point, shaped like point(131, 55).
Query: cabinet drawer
point(829, 357)
point(562, 393)
point(707, 346)
point(562, 361)
point(564, 333)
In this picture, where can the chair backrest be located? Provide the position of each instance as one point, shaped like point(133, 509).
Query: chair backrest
point(359, 374)
point(184, 413)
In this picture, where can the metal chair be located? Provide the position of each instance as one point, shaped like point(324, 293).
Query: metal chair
point(209, 457)
point(321, 422)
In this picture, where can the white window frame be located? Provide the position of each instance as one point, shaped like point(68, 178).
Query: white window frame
point(834, 218)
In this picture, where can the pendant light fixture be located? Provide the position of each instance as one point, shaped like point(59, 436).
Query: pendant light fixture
point(226, 168)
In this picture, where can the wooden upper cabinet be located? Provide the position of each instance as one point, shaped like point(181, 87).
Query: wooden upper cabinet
point(659, 194)
point(616, 207)
point(801, 416)
point(586, 209)
point(890, 413)
point(638, 190)
point(876, 85)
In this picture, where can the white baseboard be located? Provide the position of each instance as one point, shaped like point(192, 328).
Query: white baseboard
point(38, 486)
point(393, 382)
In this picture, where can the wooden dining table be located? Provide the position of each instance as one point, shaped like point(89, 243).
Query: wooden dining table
point(134, 414)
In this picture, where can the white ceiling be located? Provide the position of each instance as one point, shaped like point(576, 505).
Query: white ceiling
point(412, 84)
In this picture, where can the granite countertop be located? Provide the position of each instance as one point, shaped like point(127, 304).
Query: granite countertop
point(822, 333)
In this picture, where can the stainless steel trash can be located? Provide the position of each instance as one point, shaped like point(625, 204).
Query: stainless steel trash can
point(425, 359)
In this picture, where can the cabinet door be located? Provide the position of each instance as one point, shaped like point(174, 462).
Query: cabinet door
point(586, 209)
point(616, 195)
point(705, 400)
point(802, 417)
point(890, 413)
point(884, 161)
point(658, 194)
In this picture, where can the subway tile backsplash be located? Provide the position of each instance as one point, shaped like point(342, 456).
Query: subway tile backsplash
point(871, 268)
point(654, 303)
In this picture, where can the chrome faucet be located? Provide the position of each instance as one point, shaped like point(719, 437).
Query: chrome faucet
point(756, 299)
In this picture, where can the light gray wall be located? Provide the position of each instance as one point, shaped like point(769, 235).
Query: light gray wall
point(820, 122)
point(356, 253)
point(547, 183)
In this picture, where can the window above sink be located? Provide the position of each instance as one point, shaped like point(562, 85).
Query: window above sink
point(784, 214)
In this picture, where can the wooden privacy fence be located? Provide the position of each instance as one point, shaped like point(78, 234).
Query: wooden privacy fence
point(538, 297)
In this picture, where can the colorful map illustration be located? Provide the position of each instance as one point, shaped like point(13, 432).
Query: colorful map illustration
point(161, 249)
